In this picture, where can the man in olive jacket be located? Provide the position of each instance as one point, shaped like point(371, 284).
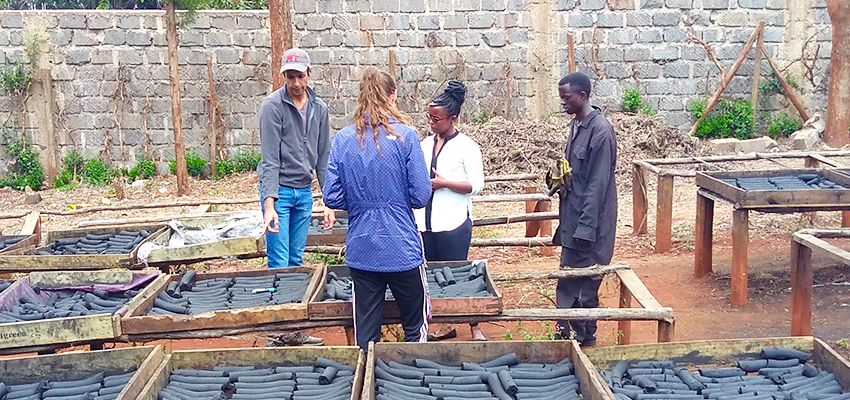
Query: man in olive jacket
point(588, 206)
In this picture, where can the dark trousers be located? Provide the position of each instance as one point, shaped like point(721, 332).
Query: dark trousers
point(578, 293)
point(449, 246)
point(408, 288)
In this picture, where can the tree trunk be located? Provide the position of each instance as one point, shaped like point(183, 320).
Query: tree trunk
point(838, 107)
point(176, 109)
point(280, 22)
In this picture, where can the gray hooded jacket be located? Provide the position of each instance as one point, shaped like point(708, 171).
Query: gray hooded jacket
point(289, 154)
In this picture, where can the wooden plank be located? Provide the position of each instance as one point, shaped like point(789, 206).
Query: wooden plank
point(144, 373)
point(826, 357)
point(666, 331)
point(779, 199)
point(740, 246)
point(535, 216)
point(136, 322)
point(508, 198)
point(64, 279)
point(845, 219)
point(32, 225)
point(23, 246)
point(664, 215)
point(510, 178)
point(58, 330)
point(744, 157)
point(242, 247)
point(203, 208)
point(640, 205)
point(454, 353)
point(79, 365)
point(703, 235)
point(638, 289)
point(693, 353)
point(789, 91)
point(524, 242)
point(754, 94)
point(624, 328)
point(565, 273)
point(822, 247)
point(260, 357)
point(802, 280)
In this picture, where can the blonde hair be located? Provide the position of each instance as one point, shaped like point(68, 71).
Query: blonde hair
point(375, 106)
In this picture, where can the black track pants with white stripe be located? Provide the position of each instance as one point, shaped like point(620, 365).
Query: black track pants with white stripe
point(409, 290)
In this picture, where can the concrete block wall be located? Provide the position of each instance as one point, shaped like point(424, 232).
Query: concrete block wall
point(109, 67)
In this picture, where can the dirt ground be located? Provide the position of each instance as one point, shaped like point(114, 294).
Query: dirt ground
point(702, 308)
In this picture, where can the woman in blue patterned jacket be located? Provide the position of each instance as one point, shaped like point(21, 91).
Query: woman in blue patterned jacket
point(377, 173)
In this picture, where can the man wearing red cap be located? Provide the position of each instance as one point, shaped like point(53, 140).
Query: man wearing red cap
point(295, 141)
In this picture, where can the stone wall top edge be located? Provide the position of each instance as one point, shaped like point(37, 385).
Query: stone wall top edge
point(128, 12)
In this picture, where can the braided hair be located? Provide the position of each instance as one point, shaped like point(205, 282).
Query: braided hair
point(452, 98)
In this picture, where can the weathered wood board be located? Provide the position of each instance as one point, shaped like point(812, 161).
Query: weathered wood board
point(723, 352)
point(29, 243)
point(260, 357)
point(80, 365)
point(26, 260)
point(454, 353)
point(136, 322)
point(62, 330)
point(243, 247)
point(321, 310)
point(60, 279)
point(776, 198)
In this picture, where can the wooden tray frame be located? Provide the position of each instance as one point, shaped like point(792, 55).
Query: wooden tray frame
point(721, 352)
point(263, 356)
point(27, 260)
point(335, 236)
point(242, 247)
point(31, 242)
point(67, 330)
point(326, 310)
point(136, 322)
point(453, 353)
point(711, 181)
point(78, 365)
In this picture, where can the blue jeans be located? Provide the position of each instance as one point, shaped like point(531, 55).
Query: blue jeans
point(293, 206)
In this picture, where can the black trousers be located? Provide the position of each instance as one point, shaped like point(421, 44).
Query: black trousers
point(449, 246)
point(408, 288)
point(578, 293)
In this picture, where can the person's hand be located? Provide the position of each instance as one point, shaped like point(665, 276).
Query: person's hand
point(270, 220)
point(330, 218)
point(438, 182)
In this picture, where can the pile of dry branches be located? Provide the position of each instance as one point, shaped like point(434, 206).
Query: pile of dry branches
point(522, 146)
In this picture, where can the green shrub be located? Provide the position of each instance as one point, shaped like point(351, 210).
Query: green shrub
point(96, 172)
point(196, 166)
point(73, 163)
point(224, 168)
point(783, 125)
point(727, 119)
point(633, 103)
point(145, 169)
point(772, 86)
point(26, 170)
point(246, 161)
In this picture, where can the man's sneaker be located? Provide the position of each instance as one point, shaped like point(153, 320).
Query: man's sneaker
point(300, 339)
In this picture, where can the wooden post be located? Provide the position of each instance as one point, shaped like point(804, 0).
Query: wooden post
point(624, 327)
point(349, 336)
point(664, 215)
point(280, 22)
point(789, 91)
point(393, 64)
point(213, 115)
point(838, 100)
point(666, 331)
point(531, 227)
point(703, 236)
point(845, 219)
point(811, 163)
point(571, 53)
point(728, 77)
point(639, 200)
point(802, 279)
point(754, 97)
point(740, 245)
point(176, 113)
point(545, 226)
